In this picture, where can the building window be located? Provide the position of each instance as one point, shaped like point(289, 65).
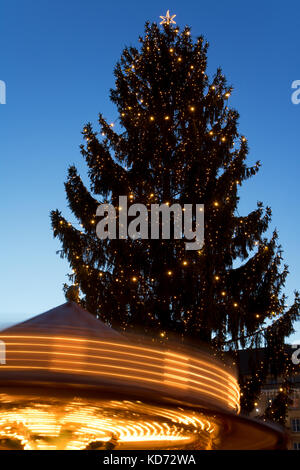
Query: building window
point(295, 398)
point(269, 396)
point(295, 424)
point(296, 445)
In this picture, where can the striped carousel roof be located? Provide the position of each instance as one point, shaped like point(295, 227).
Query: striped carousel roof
point(68, 318)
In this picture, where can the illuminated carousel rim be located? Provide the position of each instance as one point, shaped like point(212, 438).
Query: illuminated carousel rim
point(137, 368)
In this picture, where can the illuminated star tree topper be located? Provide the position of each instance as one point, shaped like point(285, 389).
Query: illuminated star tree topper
point(168, 19)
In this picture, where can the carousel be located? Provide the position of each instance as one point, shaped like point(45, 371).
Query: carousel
point(70, 382)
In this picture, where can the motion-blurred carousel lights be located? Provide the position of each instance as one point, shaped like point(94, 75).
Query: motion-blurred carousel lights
point(71, 382)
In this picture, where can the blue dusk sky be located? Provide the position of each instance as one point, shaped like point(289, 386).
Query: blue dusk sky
point(57, 60)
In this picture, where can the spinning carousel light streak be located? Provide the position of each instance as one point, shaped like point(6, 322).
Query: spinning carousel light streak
point(51, 424)
point(116, 361)
point(71, 382)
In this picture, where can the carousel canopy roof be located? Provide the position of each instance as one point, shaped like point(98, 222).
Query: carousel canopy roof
point(68, 318)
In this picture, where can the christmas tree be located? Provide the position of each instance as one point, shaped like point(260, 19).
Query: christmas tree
point(178, 142)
